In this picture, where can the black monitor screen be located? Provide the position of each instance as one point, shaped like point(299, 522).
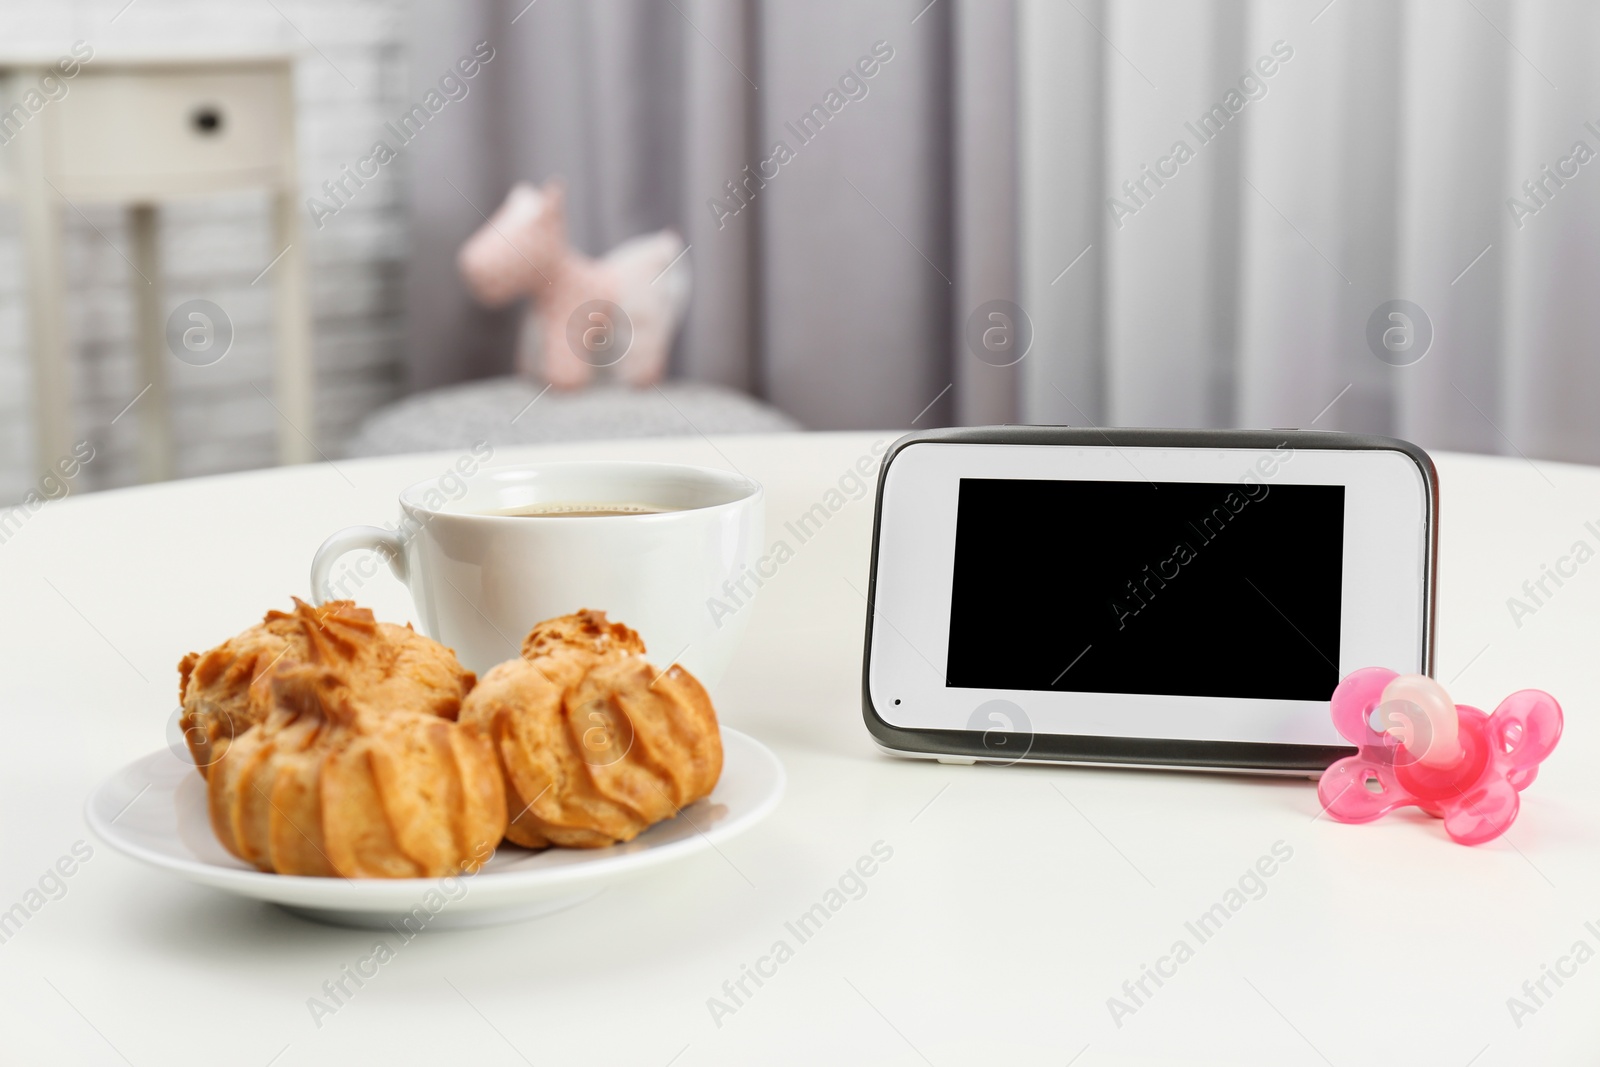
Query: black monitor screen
point(1228, 589)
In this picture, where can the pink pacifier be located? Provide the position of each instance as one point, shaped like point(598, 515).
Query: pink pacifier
point(1451, 760)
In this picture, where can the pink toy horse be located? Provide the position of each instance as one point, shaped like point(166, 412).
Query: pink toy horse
point(622, 310)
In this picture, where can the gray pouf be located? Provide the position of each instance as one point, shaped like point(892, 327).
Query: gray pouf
point(511, 411)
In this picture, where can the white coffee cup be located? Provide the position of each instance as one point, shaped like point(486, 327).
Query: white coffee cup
point(481, 580)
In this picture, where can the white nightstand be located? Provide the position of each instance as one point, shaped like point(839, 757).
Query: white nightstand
point(136, 130)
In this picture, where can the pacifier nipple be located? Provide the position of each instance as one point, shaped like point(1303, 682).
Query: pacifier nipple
point(1417, 712)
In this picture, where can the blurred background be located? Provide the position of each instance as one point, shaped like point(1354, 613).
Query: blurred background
point(1355, 215)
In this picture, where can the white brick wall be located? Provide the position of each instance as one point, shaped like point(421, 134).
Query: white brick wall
point(214, 246)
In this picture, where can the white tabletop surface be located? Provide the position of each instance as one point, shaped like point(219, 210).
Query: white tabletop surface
point(1016, 902)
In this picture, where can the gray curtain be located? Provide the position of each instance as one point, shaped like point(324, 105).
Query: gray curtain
point(835, 291)
point(1382, 162)
point(1389, 159)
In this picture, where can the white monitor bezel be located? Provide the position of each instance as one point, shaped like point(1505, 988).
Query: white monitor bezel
point(1385, 603)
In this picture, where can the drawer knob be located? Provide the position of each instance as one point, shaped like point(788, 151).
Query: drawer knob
point(207, 120)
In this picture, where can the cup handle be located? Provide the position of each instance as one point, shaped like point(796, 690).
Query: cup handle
point(386, 543)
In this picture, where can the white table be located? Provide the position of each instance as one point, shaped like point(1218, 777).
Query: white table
point(1017, 900)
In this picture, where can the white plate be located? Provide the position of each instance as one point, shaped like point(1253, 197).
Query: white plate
point(155, 810)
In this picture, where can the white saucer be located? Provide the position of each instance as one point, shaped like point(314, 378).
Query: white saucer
point(155, 810)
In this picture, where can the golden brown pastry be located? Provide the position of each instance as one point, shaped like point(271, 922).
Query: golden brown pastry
point(331, 783)
point(594, 744)
point(227, 690)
